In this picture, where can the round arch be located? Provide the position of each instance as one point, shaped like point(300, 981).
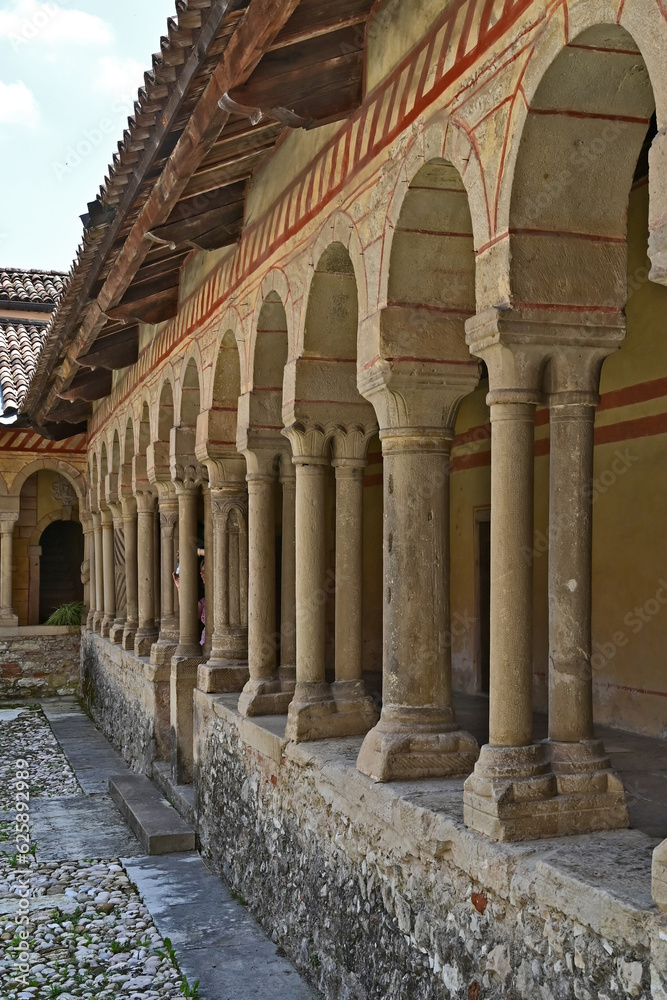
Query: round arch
point(73, 476)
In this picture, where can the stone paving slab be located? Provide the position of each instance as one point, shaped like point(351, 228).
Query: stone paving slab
point(156, 824)
point(88, 826)
point(89, 752)
point(216, 939)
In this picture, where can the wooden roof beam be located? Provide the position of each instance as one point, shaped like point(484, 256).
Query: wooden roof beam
point(260, 25)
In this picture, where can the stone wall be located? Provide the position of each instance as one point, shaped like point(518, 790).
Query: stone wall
point(128, 698)
point(39, 661)
point(378, 891)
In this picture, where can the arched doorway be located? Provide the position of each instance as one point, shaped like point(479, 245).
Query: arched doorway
point(60, 566)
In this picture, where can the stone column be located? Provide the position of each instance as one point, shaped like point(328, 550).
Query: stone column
point(227, 668)
point(7, 521)
point(92, 599)
point(146, 633)
point(348, 688)
point(118, 627)
point(188, 653)
point(99, 572)
point(659, 876)
point(417, 735)
point(86, 572)
point(129, 508)
point(262, 693)
point(209, 600)
point(313, 701)
point(512, 771)
point(578, 760)
point(109, 579)
point(163, 650)
point(287, 669)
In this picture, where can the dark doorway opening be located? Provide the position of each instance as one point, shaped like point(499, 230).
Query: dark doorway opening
point(483, 597)
point(60, 566)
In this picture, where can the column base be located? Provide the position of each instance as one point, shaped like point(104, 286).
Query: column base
point(264, 697)
point(311, 713)
point(143, 640)
point(183, 682)
point(117, 630)
point(287, 676)
point(659, 876)
point(8, 619)
point(515, 794)
point(162, 652)
point(97, 621)
point(220, 677)
point(106, 625)
point(129, 633)
point(409, 748)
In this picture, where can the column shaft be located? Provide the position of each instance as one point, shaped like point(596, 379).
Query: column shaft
point(108, 572)
point(90, 536)
point(164, 648)
point(209, 596)
point(511, 654)
point(310, 574)
point(288, 582)
point(146, 632)
point(99, 572)
point(6, 573)
point(418, 734)
point(188, 642)
point(131, 572)
point(349, 572)
point(570, 551)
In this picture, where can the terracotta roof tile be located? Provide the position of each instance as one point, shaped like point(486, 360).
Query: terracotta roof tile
point(20, 347)
point(30, 286)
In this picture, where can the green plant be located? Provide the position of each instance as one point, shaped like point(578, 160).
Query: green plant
point(117, 948)
point(237, 897)
point(168, 952)
point(190, 991)
point(67, 614)
point(314, 961)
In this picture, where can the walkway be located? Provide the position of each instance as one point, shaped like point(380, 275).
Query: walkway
point(97, 884)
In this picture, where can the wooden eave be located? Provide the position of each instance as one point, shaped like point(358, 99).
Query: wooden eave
point(179, 179)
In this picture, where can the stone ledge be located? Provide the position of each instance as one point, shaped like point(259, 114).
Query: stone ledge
point(602, 880)
point(37, 631)
point(156, 824)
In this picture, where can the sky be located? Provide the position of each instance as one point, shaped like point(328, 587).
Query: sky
point(69, 75)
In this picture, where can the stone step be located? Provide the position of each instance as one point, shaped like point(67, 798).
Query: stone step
point(182, 797)
point(156, 825)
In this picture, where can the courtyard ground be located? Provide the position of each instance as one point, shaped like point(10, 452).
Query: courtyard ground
point(83, 913)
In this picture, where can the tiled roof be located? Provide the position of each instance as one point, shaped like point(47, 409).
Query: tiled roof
point(30, 286)
point(20, 347)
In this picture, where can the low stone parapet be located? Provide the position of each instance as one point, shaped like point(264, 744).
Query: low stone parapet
point(39, 661)
point(380, 891)
point(128, 698)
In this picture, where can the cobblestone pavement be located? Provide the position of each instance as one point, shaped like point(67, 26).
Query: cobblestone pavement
point(67, 928)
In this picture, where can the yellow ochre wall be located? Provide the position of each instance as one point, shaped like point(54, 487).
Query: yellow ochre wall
point(629, 539)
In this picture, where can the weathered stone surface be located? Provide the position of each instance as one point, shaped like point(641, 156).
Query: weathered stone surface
point(156, 825)
point(129, 700)
point(382, 892)
point(39, 661)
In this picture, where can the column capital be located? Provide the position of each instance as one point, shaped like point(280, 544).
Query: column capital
point(310, 443)
point(262, 463)
point(188, 478)
point(419, 394)
point(222, 503)
point(525, 348)
point(128, 503)
point(145, 501)
point(350, 445)
point(106, 516)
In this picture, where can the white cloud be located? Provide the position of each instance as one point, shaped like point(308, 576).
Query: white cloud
point(49, 23)
point(18, 105)
point(119, 79)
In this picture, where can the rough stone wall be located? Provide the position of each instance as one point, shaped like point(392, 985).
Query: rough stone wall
point(39, 662)
point(128, 699)
point(376, 897)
